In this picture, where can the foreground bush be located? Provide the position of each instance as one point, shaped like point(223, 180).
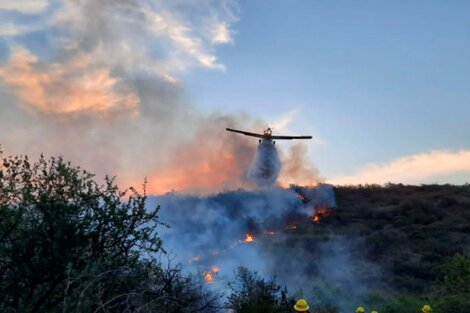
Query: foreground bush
point(252, 294)
point(68, 244)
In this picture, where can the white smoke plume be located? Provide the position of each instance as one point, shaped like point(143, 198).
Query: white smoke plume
point(266, 165)
point(269, 231)
point(232, 229)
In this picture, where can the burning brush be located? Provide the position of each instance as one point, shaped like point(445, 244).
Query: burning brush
point(248, 239)
point(320, 212)
point(210, 275)
point(231, 229)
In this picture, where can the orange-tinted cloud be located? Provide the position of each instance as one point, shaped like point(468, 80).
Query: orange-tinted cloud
point(76, 86)
point(202, 169)
point(213, 160)
point(414, 169)
point(297, 168)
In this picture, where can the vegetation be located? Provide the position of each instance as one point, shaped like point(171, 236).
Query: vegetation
point(411, 245)
point(68, 244)
point(418, 235)
point(253, 294)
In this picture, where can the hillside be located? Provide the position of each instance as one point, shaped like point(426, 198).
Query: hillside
point(393, 247)
point(389, 247)
point(69, 244)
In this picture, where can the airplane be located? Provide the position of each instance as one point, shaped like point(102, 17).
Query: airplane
point(267, 135)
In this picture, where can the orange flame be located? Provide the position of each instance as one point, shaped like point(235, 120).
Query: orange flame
point(209, 277)
point(319, 213)
point(197, 258)
point(249, 238)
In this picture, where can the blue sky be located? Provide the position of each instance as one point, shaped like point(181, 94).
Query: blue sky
point(374, 80)
point(383, 86)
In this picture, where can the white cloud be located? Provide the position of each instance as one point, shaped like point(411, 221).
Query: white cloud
point(282, 125)
point(284, 121)
point(130, 31)
point(11, 29)
point(24, 6)
point(415, 169)
point(221, 34)
point(184, 42)
point(120, 25)
point(113, 40)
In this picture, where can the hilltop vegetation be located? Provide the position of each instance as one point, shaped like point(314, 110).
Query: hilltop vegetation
point(406, 246)
point(409, 231)
point(418, 236)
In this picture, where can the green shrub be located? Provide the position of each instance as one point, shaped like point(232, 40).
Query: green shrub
point(253, 294)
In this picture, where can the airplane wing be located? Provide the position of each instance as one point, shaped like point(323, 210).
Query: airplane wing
point(245, 133)
point(290, 137)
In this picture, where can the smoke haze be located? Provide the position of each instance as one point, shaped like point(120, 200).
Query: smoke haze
point(104, 90)
point(265, 231)
point(212, 230)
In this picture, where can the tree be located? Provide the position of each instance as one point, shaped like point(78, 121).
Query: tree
point(253, 294)
point(68, 244)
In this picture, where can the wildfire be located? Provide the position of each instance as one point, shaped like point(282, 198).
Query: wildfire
point(209, 277)
point(196, 258)
point(249, 238)
point(319, 213)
